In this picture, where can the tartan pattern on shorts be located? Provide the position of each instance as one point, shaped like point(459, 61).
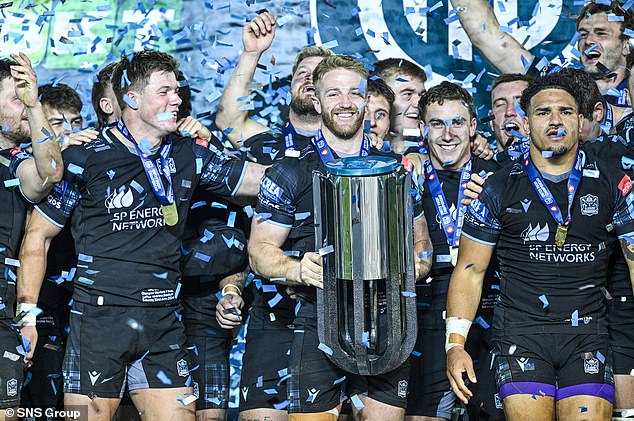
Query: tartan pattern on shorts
point(71, 370)
point(216, 385)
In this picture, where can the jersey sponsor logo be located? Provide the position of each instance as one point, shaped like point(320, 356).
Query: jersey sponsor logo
point(589, 205)
point(270, 189)
point(402, 389)
point(54, 201)
point(536, 233)
point(479, 210)
point(591, 366)
point(15, 151)
point(245, 392)
point(625, 185)
point(182, 367)
point(12, 387)
point(119, 199)
point(526, 204)
point(202, 142)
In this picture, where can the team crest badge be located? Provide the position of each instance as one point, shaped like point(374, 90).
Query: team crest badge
point(183, 368)
point(589, 205)
point(591, 366)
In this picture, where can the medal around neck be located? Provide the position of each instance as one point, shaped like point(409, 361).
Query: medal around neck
point(170, 214)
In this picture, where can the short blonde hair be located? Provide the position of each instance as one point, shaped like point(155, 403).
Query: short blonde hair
point(310, 51)
point(333, 62)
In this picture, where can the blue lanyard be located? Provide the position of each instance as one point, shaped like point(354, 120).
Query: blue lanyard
point(326, 154)
point(289, 136)
point(622, 98)
point(422, 146)
point(544, 193)
point(452, 228)
point(609, 117)
point(165, 196)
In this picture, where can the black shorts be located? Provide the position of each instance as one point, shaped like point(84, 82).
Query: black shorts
point(485, 403)
point(12, 364)
point(45, 385)
point(110, 346)
point(621, 326)
point(318, 385)
point(558, 365)
point(265, 360)
point(430, 391)
point(209, 347)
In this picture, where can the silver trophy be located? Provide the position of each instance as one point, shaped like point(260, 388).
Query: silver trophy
point(364, 230)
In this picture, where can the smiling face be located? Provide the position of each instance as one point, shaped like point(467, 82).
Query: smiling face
point(14, 125)
point(340, 102)
point(602, 37)
point(378, 113)
point(554, 121)
point(407, 92)
point(56, 119)
point(504, 98)
point(302, 88)
point(450, 128)
point(159, 96)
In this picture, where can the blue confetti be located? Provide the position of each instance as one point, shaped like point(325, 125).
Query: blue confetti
point(544, 301)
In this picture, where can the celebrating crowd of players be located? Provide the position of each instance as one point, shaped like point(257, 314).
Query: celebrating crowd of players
point(130, 251)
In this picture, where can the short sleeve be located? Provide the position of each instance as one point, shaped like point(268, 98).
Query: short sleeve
point(623, 219)
point(481, 222)
point(60, 203)
point(276, 199)
point(219, 173)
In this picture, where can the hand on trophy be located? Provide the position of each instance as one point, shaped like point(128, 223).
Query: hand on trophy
point(311, 271)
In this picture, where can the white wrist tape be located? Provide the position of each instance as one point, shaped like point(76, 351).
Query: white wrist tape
point(233, 286)
point(29, 318)
point(456, 325)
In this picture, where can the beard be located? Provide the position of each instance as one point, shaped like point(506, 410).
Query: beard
point(337, 130)
point(12, 131)
point(303, 106)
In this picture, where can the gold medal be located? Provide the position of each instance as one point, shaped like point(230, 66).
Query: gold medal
point(560, 235)
point(170, 214)
point(454, 255)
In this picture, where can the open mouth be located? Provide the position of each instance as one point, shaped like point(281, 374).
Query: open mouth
point(308, 89)
point(510, 127)
point(345, 115)
point(412, 115)
point(593, 55)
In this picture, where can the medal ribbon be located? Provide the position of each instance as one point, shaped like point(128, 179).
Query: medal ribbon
point(451, 227)
point(165, 196)
point(544, 193)
point(326, 154)
point(289, 136)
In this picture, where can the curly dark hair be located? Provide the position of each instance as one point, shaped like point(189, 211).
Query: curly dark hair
point(552, 81)
point(445, 91)
point(587, 89)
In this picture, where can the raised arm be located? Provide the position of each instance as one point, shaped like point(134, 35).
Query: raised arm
point(479, 22)
point(37, 239)
point(463, 299)
point(39, 174)
point(268, 259)
point(257, 37)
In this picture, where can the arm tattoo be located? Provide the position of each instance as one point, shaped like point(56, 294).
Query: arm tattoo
point(628, 249)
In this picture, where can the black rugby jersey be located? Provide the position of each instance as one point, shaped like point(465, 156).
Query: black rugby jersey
point(12, 218)
point(286, 199)
point(268, 147)
point(433, 294)
point(126, 253)
point(545, 288)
